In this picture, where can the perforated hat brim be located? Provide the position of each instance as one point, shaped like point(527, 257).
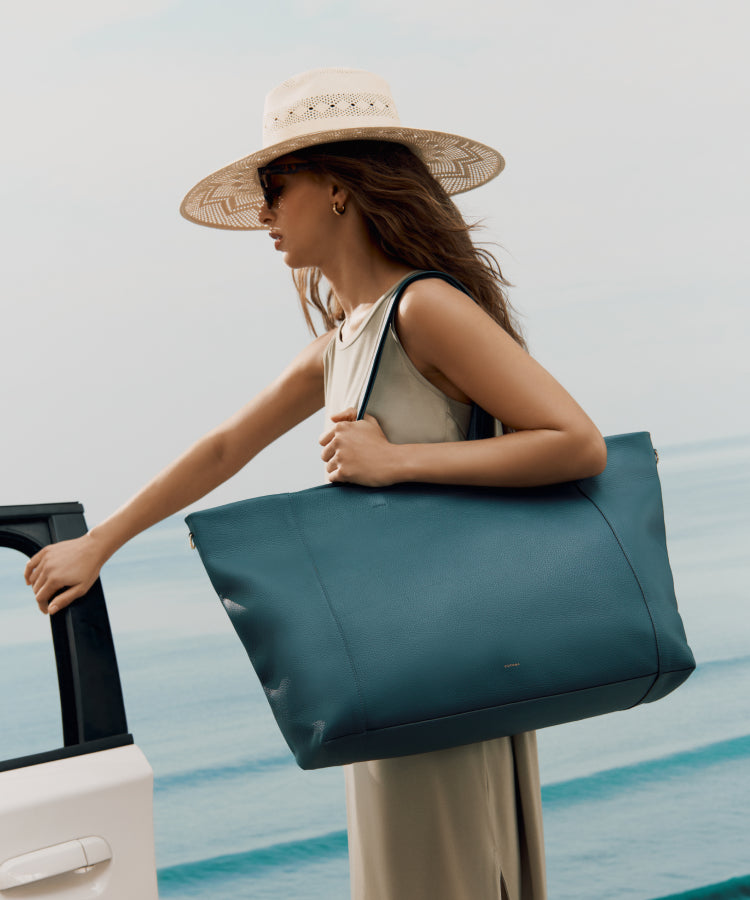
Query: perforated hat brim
point(231, 198)
point(322, 106)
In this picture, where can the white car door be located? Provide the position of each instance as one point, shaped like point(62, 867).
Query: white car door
point(76, 821)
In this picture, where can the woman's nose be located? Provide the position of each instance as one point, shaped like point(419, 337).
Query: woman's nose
point(264, 214)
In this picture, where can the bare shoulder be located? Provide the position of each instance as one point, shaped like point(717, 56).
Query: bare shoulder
point(302, 379)
point(310, 360)
point(434, 316)
point(317, 347)
point(432, 296)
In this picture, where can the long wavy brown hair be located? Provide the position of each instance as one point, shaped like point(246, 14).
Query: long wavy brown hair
point(411, 218)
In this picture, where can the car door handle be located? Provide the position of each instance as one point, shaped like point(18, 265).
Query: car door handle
point(55, 860)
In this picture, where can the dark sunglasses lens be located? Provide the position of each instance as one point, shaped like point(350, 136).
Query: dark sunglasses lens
point(264, 176)
point(270, 193)
point(265, 187)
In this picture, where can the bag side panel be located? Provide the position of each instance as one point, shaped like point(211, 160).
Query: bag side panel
point(263, 575)
point(628, 493)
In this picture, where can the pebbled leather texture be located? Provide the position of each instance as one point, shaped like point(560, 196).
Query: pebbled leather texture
point(384, 622)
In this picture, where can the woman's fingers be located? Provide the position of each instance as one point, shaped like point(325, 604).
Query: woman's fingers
point(346, 415)
point(43, 593)
point(51, 599)
point(38, 578)
point(330, 454)
point(333, 439)
point(356, 451)
point(31, 566)
point(45, 586)
point(60, 573)
point(330, 443)
point(65, 599)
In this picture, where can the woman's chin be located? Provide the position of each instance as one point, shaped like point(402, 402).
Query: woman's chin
point(295, 261)
point(289, 259)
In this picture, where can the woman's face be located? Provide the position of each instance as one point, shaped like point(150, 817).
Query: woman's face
point(300, 217)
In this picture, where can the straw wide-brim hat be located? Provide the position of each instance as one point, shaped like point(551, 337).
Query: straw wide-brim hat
point(319, 107)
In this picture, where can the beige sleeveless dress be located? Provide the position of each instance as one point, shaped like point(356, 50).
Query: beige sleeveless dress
point(459, 824)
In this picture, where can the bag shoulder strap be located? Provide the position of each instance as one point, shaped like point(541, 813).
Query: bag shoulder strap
point(482, 423)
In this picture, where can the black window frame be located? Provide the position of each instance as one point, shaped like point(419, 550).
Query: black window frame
point(91, 701)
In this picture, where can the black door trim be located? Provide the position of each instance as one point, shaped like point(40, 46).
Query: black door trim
point(91, 702)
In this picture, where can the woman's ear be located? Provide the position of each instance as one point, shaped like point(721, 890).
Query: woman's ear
point(339, 196)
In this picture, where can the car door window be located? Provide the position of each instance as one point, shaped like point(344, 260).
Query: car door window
point(29, 695)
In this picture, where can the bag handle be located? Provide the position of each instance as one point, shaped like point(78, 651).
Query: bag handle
point(481, 424)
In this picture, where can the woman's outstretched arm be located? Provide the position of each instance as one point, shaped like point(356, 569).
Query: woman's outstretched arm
point(457, 347)
point(74, 565)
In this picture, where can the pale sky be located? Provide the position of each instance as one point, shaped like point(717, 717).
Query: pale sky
point(127, 332)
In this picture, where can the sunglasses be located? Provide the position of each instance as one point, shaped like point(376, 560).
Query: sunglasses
point(265, 173)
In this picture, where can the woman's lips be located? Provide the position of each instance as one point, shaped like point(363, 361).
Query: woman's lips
point(276, 238)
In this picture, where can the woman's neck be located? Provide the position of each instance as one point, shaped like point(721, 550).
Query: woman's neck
point(362, 288)
point(360, 273)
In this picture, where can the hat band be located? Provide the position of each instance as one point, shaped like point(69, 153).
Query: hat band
point(307, 115)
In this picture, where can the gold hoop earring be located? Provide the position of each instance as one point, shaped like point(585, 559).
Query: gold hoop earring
point(336, 210)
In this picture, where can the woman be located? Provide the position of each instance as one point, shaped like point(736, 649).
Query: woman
point(349, 194)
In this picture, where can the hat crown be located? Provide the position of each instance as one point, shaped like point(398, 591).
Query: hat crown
point(326, 100)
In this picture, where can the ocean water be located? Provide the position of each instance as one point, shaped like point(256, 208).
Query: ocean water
point(643, 804)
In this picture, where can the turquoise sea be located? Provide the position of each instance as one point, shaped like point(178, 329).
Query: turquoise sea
point(649, 803)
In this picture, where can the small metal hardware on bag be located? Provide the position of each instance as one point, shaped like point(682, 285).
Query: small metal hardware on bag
point(192, 541)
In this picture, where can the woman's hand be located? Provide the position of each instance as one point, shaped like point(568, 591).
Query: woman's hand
point(70, 565)
point(358, 451)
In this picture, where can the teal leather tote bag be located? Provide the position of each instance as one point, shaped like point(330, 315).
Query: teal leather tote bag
point(386, 622)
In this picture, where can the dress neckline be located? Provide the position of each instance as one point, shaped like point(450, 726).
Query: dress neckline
point(362, 327)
